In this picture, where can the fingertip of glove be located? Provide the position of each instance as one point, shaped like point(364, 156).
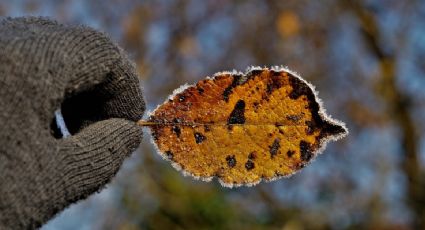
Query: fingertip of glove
point(122, 135)
point(95, 154)
point(115, 136)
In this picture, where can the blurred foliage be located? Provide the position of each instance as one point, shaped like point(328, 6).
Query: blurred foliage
point(365, 57)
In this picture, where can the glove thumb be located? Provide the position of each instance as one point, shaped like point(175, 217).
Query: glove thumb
point(93, 156)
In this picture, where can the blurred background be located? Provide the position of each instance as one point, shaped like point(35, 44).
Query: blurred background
point(367, 59)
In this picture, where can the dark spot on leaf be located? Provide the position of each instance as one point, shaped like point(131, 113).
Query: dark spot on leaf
point(331, 129)
point(169, 155)
point(155, 134)
point(265, 97)
point(294, 117)
point(290, 153)
point(269, 88)
point(182, 98)
point(310, 127)
point(199, 138)
point(274, 148)
point(237, 116)
point(274, 83)
point(176, 121)
point(301, 165)
point(176, 130)
point(306, 152)
point(255, 72)
point(252, 156)
point(207, 128)
point(299, 88)
point(255, 105)
point(200, 90)
point(227, 91)
point(249, 165)
point(231, 161)
point(277, 173)
point(277, 124)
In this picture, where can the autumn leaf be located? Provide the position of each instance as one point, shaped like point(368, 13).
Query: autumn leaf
point(243, 128)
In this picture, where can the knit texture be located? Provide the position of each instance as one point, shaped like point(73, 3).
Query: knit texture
point(45, 66)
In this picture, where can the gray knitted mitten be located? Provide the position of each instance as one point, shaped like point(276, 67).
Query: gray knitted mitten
point(45, 66)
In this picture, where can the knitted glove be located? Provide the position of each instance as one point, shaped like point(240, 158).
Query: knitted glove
point(45, 66)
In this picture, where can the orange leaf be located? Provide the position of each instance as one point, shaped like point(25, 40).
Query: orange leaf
point(242, 128)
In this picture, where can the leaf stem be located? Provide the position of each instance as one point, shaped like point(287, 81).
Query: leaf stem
point(146, 123)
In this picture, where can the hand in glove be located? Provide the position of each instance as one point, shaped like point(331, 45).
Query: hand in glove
point(45, 66)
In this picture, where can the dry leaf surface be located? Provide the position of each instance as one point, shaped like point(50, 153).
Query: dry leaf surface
point(242, 128)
